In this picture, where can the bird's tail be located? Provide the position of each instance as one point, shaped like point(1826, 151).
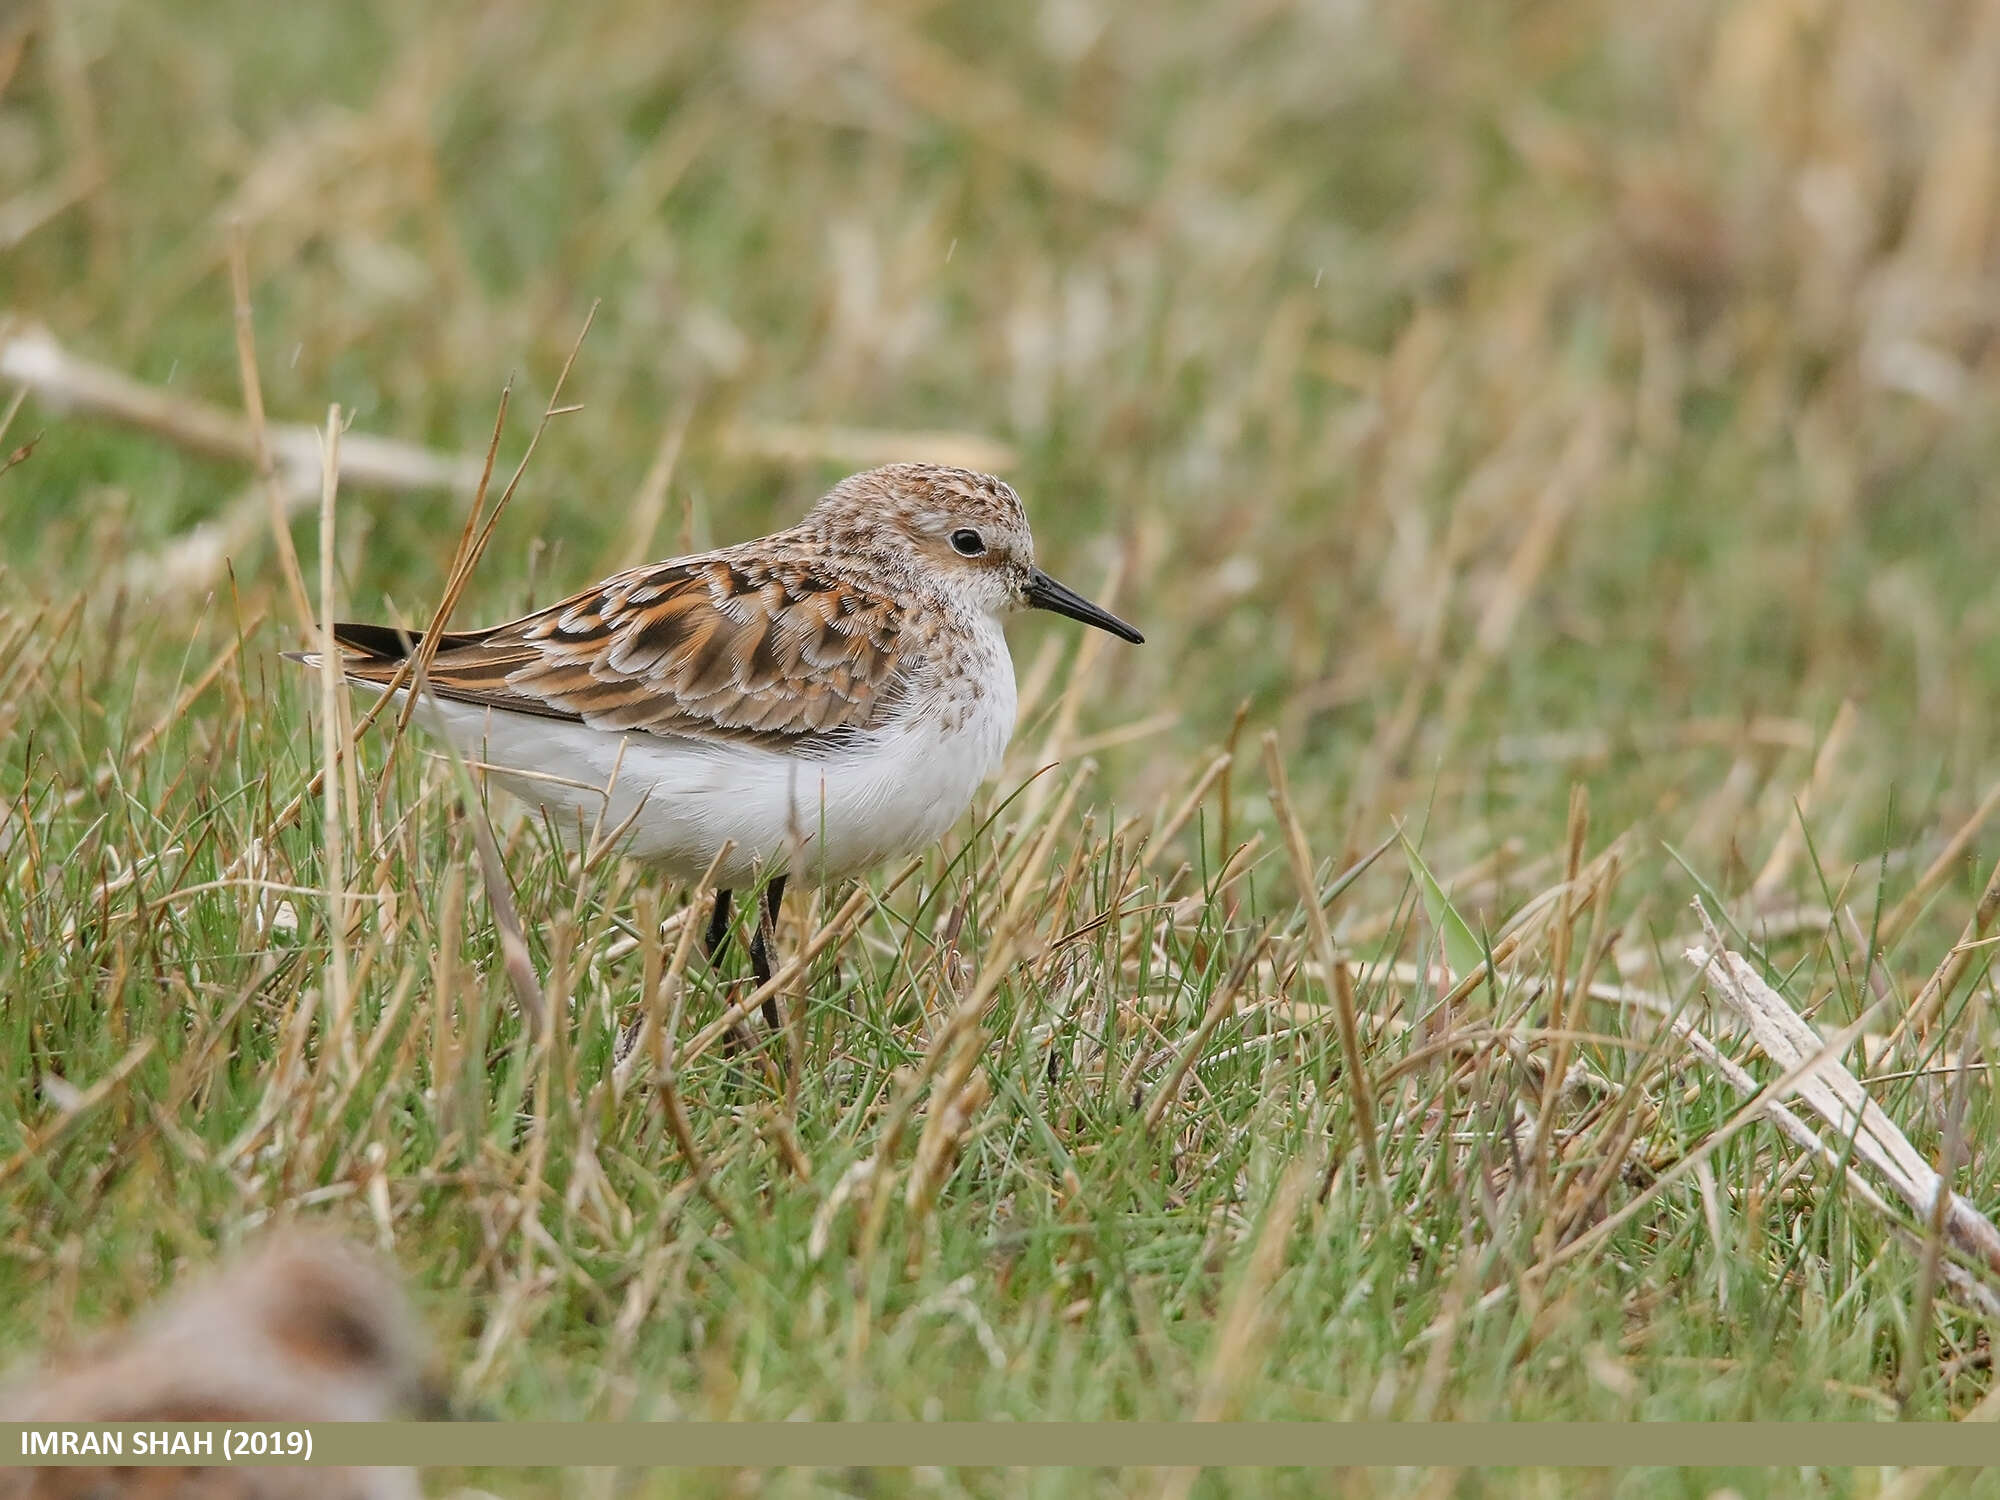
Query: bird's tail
point(367, 646)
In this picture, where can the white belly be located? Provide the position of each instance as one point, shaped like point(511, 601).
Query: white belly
point(679, 800)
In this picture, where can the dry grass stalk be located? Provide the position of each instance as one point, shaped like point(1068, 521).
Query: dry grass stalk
point(1792, 840)
point(1536, 916)
point(876, 1173)
point(1574, 474)
point(1930, 1001)
point(1055, 744)
point(1830, 1091)
point(656, 1032)
point(1758, 1106)
point(650, 503)
point(1360, 1092)
point(137, 751)
point(1243, 1322)
point(1929, 1263)
point(1004, 948)
point(74, 1111)
point(1916, 1482)
point(69, 76)
point(779, 1131)
point(253, 405)
point(446, 1060)
point(1558, 1008)
point(960, 1093)
point(31, 208)
point(1022, 861)
point(1220, 1006)
point(340, 1002)
point(478, 531)
point(25, 451)
point(1182, 815)
point(1972, 1292)
point(31, 357)
point(1906, 911)
point(516, 960)
point(668, 1081)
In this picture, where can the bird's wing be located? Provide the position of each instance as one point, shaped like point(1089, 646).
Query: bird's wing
point(771, 652)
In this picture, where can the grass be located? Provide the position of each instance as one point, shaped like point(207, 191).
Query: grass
point(1564, 430)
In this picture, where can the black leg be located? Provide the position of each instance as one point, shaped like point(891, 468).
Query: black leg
point(760, 946)
point(718, 926)
point(713, 941)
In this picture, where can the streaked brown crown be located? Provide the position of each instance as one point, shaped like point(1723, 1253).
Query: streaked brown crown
point(919, 500)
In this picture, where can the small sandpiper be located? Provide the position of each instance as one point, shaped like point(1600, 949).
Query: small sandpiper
point(820, 700)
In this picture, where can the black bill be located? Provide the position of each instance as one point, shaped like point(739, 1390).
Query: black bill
point(1045, 593)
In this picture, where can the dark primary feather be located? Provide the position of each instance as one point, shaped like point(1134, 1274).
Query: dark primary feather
point(774, 650)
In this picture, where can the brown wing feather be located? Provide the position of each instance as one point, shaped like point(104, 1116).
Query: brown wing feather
point(773, 652)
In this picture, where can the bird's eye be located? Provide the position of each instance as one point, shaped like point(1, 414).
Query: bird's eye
point(967, 543)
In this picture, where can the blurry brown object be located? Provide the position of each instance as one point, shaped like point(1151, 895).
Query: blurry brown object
point(1674, 231)
point(305, 1328)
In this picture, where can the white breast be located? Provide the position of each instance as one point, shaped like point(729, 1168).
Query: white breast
point(678, 800)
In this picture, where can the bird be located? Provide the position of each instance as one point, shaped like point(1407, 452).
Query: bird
point(303, 1327)
point(806, 705)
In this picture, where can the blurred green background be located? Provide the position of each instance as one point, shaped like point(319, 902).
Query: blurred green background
point(1501, 388)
